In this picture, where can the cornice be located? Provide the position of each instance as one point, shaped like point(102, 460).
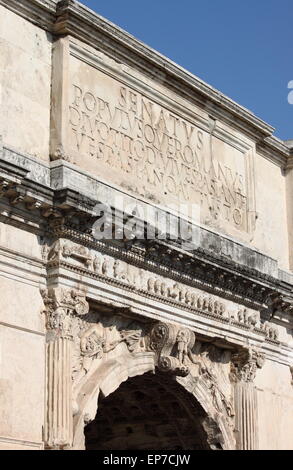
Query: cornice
point(199, 269)
point(73, 18)
point(39, 12)
point(289, 162)
point(68, 17)
point(275, 150)
point(278, 145)
point(62, 212)
point(78, 21)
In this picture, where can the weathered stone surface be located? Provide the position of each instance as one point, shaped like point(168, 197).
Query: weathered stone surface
point(278, 400)
point(25, 85)
point(138, 330)
point(22, 381)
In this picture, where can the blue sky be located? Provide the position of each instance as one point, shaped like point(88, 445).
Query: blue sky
point(244, 48)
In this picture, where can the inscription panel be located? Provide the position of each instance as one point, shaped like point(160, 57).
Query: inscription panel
point(126, 138)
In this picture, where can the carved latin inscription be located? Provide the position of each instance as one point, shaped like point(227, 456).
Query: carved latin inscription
point(154, 152)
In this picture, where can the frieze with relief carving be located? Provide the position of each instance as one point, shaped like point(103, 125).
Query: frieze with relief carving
point(70, 215)
point(129, 276)
point(97, 338)
point(64, 249)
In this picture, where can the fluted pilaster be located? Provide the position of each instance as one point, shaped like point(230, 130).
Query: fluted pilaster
point(62, 308)
point(245, 365)
point(246, 426)
point(59, 426)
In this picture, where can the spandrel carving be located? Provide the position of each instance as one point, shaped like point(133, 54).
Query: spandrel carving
point(96, 340)
point(213, 370)
point(220, 401)
point(179, 353)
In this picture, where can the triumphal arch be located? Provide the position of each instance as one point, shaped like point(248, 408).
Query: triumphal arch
point(145, 248)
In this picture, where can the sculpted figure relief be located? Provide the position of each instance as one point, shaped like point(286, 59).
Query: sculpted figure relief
point(174, 291)
point(120, 271)
point(214, 377)
point(248, 318)
point(106, 266)
point(93, 345)
point(220, 401)
point(64, 249)
point(93, 342)
point(271, 331)
point(174, 347)
point(98, 340)
point(97, 263)
point(179, 293)
point(182, 340)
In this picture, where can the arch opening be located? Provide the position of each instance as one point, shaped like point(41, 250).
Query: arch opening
point(148, 412)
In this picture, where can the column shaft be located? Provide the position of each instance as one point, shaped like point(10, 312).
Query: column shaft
point(246, 416)
point(58, 428)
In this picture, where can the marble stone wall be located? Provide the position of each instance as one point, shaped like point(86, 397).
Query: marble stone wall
point(89, 114)
point(22, 340)
point(25, 84)
point(275, 407)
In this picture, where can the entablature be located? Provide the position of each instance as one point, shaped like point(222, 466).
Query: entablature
point(65, 208)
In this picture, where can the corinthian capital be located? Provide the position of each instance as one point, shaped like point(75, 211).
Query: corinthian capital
point(245, 364)
point(61, 305)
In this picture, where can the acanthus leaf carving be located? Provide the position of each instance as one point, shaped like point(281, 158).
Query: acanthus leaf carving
point(61, 304)
point(245, 363)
